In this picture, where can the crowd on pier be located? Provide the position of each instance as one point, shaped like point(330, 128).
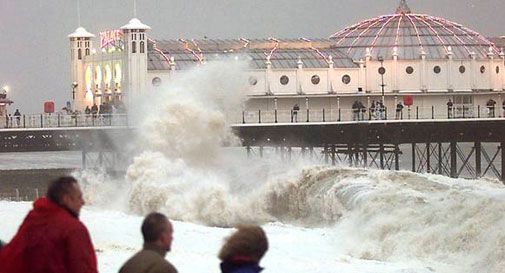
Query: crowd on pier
point(53, 239)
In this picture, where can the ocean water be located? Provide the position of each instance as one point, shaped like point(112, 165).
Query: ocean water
point(318, 218)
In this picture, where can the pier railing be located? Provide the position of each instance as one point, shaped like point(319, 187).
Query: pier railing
point(267, 116)
point(346, 114)
point(63, 120)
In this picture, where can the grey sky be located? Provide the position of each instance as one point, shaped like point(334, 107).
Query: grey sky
point(34, 49)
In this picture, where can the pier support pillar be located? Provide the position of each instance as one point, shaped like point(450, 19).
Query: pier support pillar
point(454, 167)
point(502, 147)
point(478, 161)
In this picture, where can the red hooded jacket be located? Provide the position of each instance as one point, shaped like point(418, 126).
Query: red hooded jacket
point(50, 239)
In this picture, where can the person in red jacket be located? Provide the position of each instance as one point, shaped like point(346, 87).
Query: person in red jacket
point(51, 238)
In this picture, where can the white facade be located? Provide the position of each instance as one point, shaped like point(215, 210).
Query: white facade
point(469, 74)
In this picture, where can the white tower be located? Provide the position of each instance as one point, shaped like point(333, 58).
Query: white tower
point(135, 63)
point(80, 47)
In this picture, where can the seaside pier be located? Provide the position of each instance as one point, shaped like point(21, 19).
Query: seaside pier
point(469, 148)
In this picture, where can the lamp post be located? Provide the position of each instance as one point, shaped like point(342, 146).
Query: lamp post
point(382, 71)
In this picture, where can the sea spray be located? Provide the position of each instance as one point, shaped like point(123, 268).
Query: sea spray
point(182, 169)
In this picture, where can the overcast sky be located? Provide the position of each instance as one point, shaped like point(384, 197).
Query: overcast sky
point(34, 49)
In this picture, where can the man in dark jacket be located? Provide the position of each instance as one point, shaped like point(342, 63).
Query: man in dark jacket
point(51, 238)
point(157, 232)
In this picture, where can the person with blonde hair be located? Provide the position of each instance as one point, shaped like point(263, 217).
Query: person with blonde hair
point(243, 250)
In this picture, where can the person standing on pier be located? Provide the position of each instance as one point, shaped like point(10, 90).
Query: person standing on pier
point(490, 108)
point(17, 115)
point(51, 237)
point(296, 108)
point(449, 108)
point(399, 110)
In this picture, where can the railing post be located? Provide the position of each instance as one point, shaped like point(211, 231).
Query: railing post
point(41, 120)
point(59, 123)
point(292, 113)
point(386, 113)
point(478, 111)
point(275, 113)
point(417, 112)
point(243, 116)
point(339, 114)
point(307, 115)
point(259, 116)
point(324, 118)
point(24, 121)
point(75, 118)
point(463, 111)
point(432, 112)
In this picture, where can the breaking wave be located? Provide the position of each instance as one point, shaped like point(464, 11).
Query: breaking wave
point(182, 170)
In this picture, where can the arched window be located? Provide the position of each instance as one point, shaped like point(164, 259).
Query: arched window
point(142, 50)
point(87, 51)
point(134, 47)
point(79, 54)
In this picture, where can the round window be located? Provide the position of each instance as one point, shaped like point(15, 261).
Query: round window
point(284, 80)
point(482, 69)
point(409, 70)
point(437, 69)
point(346, 79)
point(156, 81)
point(315, 79)
point(462, 69)
point(497, 69)
point(253, 80)
point(382, 70)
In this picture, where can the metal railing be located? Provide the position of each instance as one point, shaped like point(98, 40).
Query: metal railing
point(266, 116)
point(63, 120)
point(347, 114)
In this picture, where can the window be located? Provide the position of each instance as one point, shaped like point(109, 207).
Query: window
point(87, 51)
point(462, 69)
point(482, 69)
point(79, 54)
point(284, 80)
point(142, 50)
point(497, 69)
point(315, 79)
point(346, 79)
point(134, 47)
point(437, 69)
point(409, 70)
point(253, 80)
point(156, 81)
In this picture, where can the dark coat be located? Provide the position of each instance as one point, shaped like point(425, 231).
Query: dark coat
point(240, 267)
point(50, 239)
point(151, 259)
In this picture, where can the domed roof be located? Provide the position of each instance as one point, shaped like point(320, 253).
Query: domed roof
point(408, 35)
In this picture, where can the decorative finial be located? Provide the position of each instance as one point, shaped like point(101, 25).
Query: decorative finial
point(134, 8)
point(403, 8)
point(78, 14)
point(299, 62)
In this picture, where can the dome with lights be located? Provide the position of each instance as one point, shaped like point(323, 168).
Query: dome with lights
point(409, 36)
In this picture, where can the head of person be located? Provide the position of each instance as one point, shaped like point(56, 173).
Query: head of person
point(247, 242)
point(157, 229)
point(65, 191)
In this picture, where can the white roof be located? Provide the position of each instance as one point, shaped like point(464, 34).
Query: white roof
point(135, 24)
point(81, 32)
